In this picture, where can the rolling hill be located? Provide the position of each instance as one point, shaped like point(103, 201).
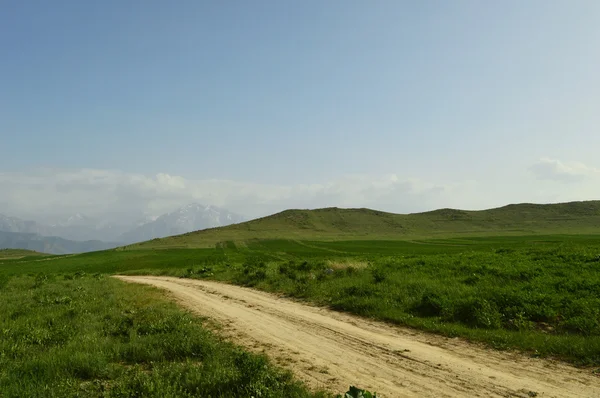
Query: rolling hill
point(335, 224)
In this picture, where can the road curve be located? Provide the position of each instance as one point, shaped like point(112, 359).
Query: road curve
point(331, 350)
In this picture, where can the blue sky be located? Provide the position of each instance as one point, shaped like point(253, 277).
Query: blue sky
point(467, 104)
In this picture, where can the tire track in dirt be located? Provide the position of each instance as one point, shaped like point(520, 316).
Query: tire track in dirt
point(331, 350)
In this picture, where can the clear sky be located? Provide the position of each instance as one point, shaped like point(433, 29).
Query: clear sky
point(263, 105)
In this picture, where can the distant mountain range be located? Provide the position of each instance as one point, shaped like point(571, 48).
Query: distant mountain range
point(79, 233)
point(50, 244)
point(76, 227)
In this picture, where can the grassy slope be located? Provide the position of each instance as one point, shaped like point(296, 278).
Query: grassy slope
point(345, 224)
point(6, 254)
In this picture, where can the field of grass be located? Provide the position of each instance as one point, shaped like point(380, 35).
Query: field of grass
point(82, 335)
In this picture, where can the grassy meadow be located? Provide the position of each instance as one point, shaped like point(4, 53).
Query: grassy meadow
point(70, 330)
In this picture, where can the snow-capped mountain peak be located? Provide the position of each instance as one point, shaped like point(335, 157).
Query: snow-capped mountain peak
point(14, 224)
point(192, 217)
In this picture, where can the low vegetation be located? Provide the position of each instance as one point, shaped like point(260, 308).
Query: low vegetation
point(67, 335)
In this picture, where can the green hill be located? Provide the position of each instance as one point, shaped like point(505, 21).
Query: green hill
point(335, 224)
point(6, 254)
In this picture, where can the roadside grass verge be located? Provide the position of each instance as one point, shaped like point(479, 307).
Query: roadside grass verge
point(78, 335)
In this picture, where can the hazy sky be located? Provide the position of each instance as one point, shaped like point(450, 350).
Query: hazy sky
point(131, 106)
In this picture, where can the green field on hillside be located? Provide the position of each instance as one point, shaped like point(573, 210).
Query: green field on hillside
point(537, 293)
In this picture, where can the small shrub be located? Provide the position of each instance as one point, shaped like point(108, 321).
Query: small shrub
point(355, 392)
point(302, 286)
point(40, 279)
point(472, 280)
point(378, 275)
point(304, 266)
point(479, 313)
point(253, 272)
point(118, 327)
point(582, 317)
point(430, 305)
point(4, 281)
point(324, 274)
point(358, 291)
point(288, 271)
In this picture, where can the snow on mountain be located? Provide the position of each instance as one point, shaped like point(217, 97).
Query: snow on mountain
point(145, 220)
point(189, 218)
point(14, 224)
point(76, 219)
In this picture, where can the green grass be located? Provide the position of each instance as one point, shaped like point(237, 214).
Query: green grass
point(365, 224)
point(78, 335)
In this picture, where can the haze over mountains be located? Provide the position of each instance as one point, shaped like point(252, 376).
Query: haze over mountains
point(79, 233)
point(214, 226)
point(50, 244)
point(185, 219)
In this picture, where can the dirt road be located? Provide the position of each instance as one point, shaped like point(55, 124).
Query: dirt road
point(331, 350)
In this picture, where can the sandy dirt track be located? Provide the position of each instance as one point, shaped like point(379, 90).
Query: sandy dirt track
point(331, 350)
